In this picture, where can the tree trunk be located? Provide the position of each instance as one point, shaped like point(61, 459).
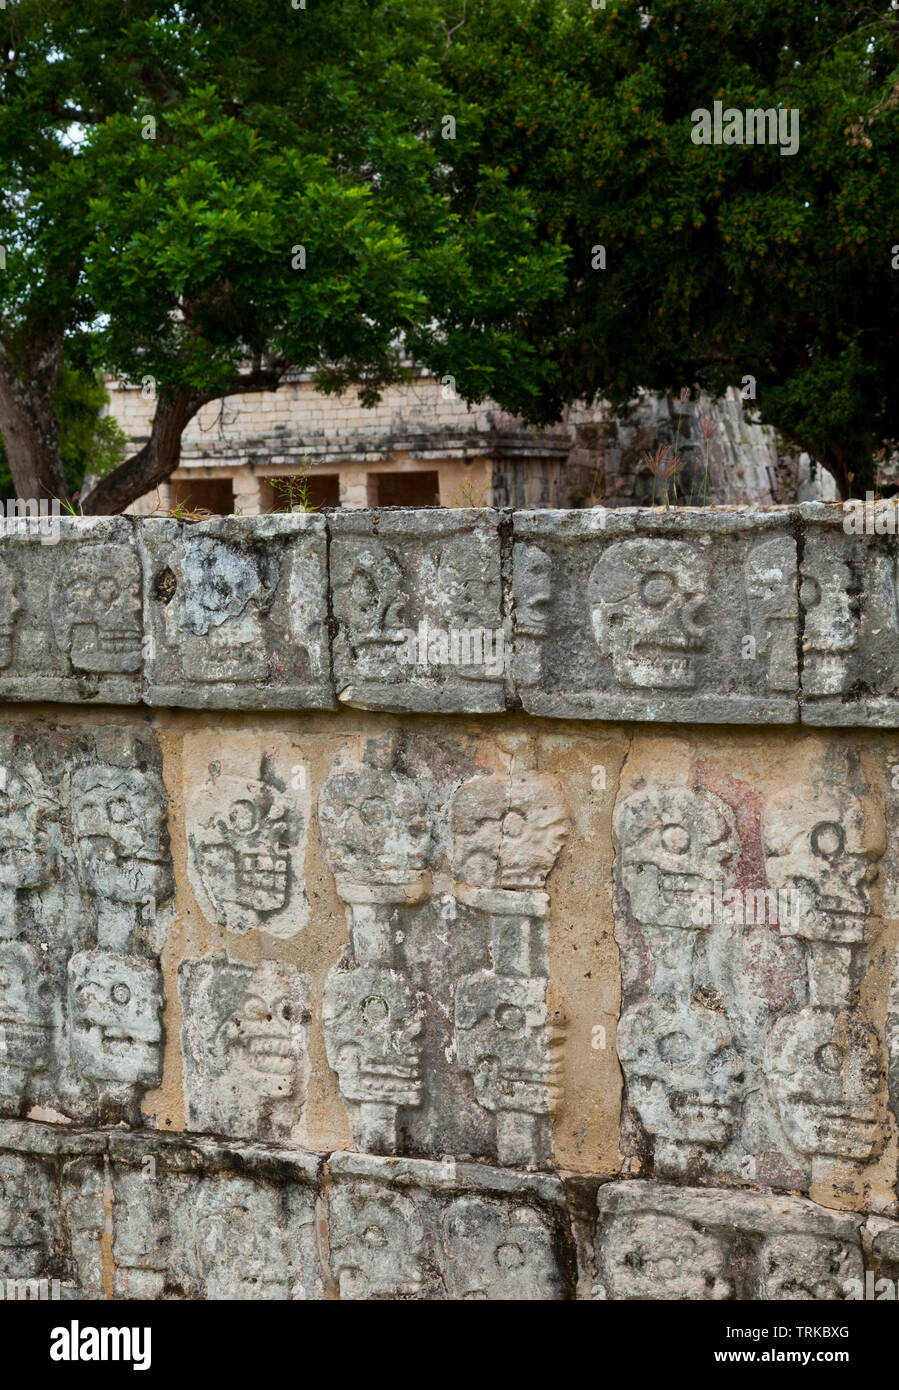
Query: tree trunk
point(152, 464)
point(28, 425)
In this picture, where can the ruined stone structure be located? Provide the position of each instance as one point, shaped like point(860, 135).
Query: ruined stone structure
point(472, 905)
point(423, 446)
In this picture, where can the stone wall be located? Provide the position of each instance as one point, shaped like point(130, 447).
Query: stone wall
point(451, 905)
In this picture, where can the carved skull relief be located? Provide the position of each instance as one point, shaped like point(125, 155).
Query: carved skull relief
point(240, 1242)
point(829, 596)
point(373, 1025)
point(25, 1025)
point(120, 827)
point(533, 593)
point(96, 609)
point(28, 820)
point(771, 587)
point(10, 608)
point(645, 1255)
point(675, 844)
point(827, 1072)
point(508, 830)
point(823, 848)
point(684, 1072)
point(645, 598)
point(498, 1251)
point(806, 1268)
point(375, 826)
point(369, 604)
point(27, 1217)
point(242, 854)
point(377, 1243)
point(115, 1014)
point(222, 593)
point(504, 1042)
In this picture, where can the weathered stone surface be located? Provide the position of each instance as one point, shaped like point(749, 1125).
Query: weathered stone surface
point(407, 1229)
point(237, 616)
point(418, 603)
point(70, 616)
point(850, 665)
point(652, 615)
point(681, 1243)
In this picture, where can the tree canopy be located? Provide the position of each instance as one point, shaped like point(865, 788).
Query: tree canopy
point(210, 194)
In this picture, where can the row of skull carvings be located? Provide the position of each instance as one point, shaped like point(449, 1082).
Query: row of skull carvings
point(742, 1041)
point(187, 1220)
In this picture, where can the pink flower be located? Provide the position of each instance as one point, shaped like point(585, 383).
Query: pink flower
point(708, 427)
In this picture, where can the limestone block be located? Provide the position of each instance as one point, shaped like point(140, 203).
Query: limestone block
point(244, 1048)
point(418, 603)
point(70, 616)
point(409, 1229)
point(237, 613)
point(654, 1241)
point(848, 593)
point(648, 615)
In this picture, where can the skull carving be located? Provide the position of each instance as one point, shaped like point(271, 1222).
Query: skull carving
point(508, 830)
point(771, 588)
point(825, 1069)
point(241, 1242)
point(115, 1015)
point(222, 593)
point(24, 1020)
point(683, 1070)
point(829, 597)
point(120, 827)
point(375, 827)
point(804, 1268)
point(245, 1030)
point(373, 1025)
point(28, 818)
point(821, 846)
point(10, 608)
point(95, 608)
point(506, 1044)
point(498, 1251)
point(645, 1255)
point(243, 855)
point(377, 1243)
point(645, 598)
point(28, 1220)
point(532, 571)
point(368, 605)
point(674, 845)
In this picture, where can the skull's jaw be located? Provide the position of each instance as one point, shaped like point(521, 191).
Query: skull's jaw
point(822, 1131)
point(844, 920)
point(663, 899)
point(104, 1055)
point(650, 665)
point(261, 882)
point(528, 1091)
point(26, 1046)
point(105, 649)
point(826, 672)
point(124, 879)
point(680, 1118)
point(271, 1060)
point(373, 1081)
point(26, 865)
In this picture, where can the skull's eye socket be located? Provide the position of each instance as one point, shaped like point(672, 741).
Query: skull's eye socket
point(106, 588)
point(829, 1058)
point(119, 811)
point(828, 840)
point(509, 1256)
point(120, 993)
point(675, 839)
point(657, 588)
point(242, 816)
point(674, 1047)
point(513, 825)
point(375, 811)
point(511, 1018)
point(374, 1235)
point(810, 592)
point(721, 1060)
point(375, 1011)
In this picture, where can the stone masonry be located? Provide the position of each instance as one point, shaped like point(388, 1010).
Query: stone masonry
point(460, 905)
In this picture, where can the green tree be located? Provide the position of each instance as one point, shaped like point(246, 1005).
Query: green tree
point(215, 193)
point(722, 262)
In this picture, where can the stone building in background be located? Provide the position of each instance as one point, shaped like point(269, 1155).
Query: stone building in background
point(423, 446)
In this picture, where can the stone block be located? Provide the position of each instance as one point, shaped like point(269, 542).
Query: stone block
point(659, 1242)
point(418, 604)
point(237, 613)
point(655, 615)
point(70, 617)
